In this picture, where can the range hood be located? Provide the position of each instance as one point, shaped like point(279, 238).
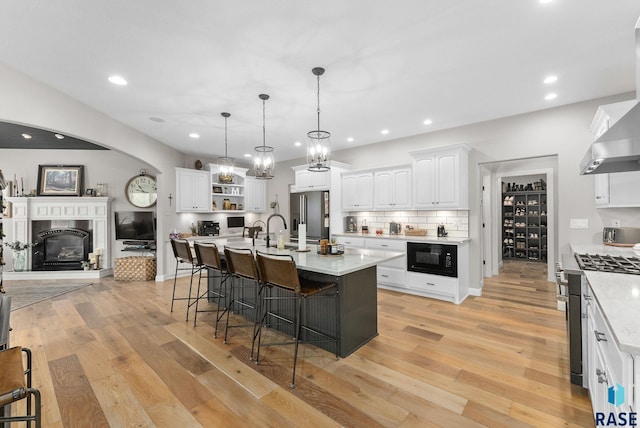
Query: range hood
point(618, 149)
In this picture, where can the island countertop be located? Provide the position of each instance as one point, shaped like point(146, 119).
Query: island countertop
point(353, 259)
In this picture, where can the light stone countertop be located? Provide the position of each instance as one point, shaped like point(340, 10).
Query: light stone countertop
point(602, 249)
point(403, 237)
point(619, 297)
point(353, 260)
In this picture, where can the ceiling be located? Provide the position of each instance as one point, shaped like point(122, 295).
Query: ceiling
point(389, 65)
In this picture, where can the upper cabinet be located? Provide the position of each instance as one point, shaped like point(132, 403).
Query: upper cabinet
point(357, 191)
point(192, 190)
point(440, 178)
point(255, 195)
point(392, 189)
point(306, 180)
point(227, 196)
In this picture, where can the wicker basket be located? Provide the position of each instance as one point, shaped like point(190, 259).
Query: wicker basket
point(140, 268)
point(416, 232)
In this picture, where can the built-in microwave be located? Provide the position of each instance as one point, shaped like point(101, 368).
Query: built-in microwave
point(436, 259)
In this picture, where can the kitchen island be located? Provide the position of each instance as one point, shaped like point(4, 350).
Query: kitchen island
point(355, 274)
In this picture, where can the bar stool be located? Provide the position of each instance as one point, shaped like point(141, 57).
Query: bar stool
point(209, 256)
point(183, 254)
point(242, 266)
point(280, 271)
point(16, 384)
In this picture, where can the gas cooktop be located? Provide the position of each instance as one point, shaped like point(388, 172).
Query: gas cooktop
point(606, 263)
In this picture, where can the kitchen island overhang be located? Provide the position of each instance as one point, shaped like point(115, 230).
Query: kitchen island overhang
point(354, 272)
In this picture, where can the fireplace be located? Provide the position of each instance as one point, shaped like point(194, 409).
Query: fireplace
point(60, 245)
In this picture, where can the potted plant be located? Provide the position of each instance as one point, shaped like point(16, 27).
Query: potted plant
point(19, 254)
point(86, 265)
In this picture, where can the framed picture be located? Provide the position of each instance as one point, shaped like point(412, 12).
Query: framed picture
point(234, 207)
point(217, 189)
point(60, 180)
point(90, 192)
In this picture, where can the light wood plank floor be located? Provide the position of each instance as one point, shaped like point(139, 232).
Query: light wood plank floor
point(112, 354)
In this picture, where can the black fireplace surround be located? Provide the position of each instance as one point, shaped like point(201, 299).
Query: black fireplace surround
point(59, 246)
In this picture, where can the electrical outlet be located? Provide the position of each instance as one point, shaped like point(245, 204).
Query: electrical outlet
point(616, 223)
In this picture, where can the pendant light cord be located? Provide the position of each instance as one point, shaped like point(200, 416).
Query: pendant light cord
point(264, 132)
point(318, 102)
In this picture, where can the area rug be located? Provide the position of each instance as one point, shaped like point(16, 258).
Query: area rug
point(25, 293)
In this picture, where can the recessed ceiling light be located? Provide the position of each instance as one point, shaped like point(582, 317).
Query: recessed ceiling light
point(117, 80)
point(551, 96)
point(544, 1)
point(194, 135)
point(26, 136)
point(550, 79)
point(247, 155)
point(428, 122)
point(59, 136)
point(350, 139)
point(385, 131)
point(156, 119)
point(297, 144)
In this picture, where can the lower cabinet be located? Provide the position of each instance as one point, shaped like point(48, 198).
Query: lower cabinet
point(393, 275)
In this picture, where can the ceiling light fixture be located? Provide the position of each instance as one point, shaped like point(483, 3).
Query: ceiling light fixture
point(264, 163)
point(118, 80)
point(59, 136)
point(385, 131)
point(156, 119)
point(319, 144)
point(550, 79)
point(248, 155)
point(551, 96)
point(428, 122)
point(350, 139)
point(297, 144)
point(194, 135)
point(26, 136)
point(225, 164)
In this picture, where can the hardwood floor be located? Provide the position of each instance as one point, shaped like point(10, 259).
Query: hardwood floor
point(112, 354)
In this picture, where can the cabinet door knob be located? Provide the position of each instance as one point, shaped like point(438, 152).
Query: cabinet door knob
point(602, 376)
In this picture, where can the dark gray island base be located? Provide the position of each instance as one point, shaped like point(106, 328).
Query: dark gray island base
point(357, 309)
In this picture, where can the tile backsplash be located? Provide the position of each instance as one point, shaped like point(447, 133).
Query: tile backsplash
point(456, 222)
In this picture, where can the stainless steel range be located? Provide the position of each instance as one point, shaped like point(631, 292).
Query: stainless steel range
point(609, 263)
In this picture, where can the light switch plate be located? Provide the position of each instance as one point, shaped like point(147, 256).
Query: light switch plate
point(579, 223)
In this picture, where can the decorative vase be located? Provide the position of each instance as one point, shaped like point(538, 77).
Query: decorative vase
point(19, 260)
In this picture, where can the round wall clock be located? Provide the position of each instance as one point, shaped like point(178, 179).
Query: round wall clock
point(142, 191)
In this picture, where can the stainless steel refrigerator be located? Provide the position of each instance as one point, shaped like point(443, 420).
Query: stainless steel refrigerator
point(312, 209)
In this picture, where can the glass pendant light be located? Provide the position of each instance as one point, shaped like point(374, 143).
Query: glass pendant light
point(264, 163)
point(319, 144)
point(225, 164)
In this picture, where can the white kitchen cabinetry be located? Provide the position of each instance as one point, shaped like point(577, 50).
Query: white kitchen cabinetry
point(193, 193)
point(394, 272)
point(607, 365)
point(617, 190)
point(306, 180)
point(255, 195)
point(392, 189)
point(227, 197)
point(357, 191)
point(440, 178)
point(351, 242)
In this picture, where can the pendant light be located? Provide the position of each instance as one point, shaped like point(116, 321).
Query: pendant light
point(318, 145)
point(225, 164)
point(264, 163)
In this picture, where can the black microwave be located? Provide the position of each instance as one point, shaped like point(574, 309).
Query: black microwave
point(436, 259)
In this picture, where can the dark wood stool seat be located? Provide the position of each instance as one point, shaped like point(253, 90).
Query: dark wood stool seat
point(242, 267)
point(209, 257)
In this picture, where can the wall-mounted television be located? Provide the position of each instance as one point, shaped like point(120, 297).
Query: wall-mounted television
point(135, 225)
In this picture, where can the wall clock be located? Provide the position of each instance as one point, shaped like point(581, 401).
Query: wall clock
point(141, 190)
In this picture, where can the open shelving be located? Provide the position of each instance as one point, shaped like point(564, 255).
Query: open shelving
point(524, 225)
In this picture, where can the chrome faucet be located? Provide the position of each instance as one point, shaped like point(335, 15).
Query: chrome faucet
point(256, 232)
point(269, 221)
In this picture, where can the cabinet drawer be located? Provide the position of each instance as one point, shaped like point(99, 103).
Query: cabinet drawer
point(391, 276)
point(432, 283)
point(617, 363)
point(351, 242)
point(387, 244)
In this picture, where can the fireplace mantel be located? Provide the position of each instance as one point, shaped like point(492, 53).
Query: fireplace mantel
point(27, 209)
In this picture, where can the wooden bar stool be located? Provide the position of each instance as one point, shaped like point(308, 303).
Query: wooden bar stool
point(183, 254)
point(209, 256)
point(15, 385)
point(242, 267)
point(280, 271)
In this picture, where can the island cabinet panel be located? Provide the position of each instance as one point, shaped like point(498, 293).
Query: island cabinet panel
point(357, 320)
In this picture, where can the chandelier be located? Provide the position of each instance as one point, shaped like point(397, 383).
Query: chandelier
point(318, 144)
point(264, 163)
point(225, 164)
